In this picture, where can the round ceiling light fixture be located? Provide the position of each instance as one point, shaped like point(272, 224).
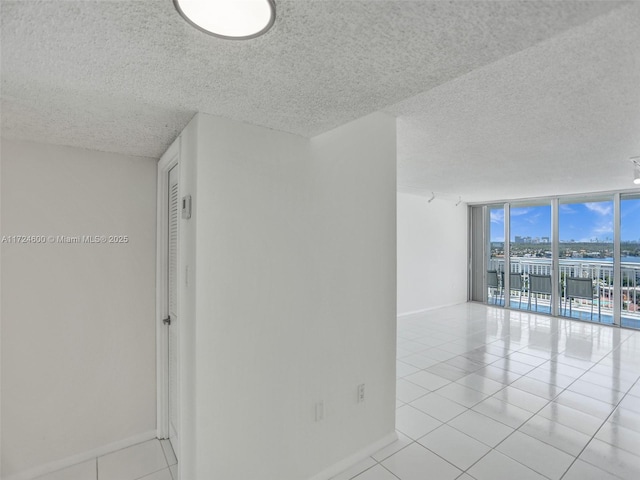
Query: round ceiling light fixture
point(230, 19)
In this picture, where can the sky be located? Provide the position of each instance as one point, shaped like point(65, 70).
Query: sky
point(581, 222)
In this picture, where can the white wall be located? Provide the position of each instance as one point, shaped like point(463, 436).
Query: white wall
point(432, 253)
point(295, 296)
point(78, 320)
point(187, 305)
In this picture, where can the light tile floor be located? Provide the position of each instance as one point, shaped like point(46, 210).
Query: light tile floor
point(151, 460)
point(485, 394)
point(490, 394)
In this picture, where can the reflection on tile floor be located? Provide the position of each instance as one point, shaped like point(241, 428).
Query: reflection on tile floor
point(485, 394)
point(490, 394)
point(151, 460)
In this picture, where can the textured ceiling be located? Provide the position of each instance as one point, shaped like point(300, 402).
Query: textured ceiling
point(498, 85)
point(560, 117)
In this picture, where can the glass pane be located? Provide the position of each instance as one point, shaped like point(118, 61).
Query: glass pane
point(530, 254)
point(630, 260)
point(495, 263)
point(586, 260)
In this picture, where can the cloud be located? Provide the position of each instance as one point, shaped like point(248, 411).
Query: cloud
point(601, 208)
point(567, 209)
point(603, 230)
point(533, 219)
point(516, 212)
point(629, 208)
point(497, 216)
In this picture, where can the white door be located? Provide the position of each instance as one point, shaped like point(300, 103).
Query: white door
point(172, 307)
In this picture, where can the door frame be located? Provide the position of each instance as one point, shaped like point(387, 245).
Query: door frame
point(170, 159)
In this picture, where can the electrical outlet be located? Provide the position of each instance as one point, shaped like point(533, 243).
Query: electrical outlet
point(361, 393)
point(319, 411)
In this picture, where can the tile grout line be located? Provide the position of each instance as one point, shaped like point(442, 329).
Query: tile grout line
point(550, 401)
point(596, 433)
point(562, 390)
point(493, 395)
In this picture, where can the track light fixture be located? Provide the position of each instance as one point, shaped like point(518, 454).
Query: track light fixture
point(636, 169)
point(230, 19)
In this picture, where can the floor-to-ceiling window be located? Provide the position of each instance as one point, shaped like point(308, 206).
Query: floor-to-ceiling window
point(571, 256)
point(586, 259)
point(495, 261)
point(530, 256)
point(630, 260)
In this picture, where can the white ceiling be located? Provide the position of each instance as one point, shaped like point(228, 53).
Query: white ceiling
point(495, 99)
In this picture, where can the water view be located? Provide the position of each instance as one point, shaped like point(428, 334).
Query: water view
point(586, 282)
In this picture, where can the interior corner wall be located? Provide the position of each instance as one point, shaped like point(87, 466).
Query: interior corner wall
point(295, 297)
point(78, 319)
point(432, 253)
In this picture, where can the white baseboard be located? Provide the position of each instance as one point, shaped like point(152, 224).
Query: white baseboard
point(356, 458)
point(424, 310)
point(81, 457)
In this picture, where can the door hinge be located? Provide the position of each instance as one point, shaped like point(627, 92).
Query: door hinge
point(167, 321)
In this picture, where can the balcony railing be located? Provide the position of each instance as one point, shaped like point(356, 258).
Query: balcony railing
point(604, 288)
